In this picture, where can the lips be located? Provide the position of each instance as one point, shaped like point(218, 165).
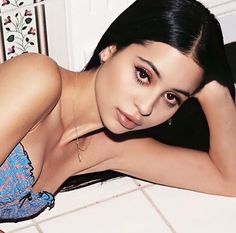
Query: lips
point(126, 120)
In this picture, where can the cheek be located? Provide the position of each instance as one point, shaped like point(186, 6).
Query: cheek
point(109, 90)
point(117, 84)
point(105, 82)
point(111, 77)
point(160, 114)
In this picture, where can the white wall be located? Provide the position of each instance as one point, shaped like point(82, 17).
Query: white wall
point(225, 10)
point(73, 27)
point(91, 17)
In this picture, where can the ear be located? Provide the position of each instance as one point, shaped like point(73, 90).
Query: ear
point(107, 53)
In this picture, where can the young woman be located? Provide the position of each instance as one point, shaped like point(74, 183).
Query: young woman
point(158, 58)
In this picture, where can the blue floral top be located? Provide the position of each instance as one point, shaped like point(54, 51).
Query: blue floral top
point(17, 200)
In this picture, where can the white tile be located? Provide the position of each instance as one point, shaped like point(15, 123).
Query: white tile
point(27, 230)
point(87, 21)
point(74, 199)
point(13, 226)
point(142, 183)
point(131, 213)
point(56, 23)
point(228, 24)
point(114, 5)
point(194, 212)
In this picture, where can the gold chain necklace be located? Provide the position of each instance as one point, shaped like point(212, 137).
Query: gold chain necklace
point(76, 128)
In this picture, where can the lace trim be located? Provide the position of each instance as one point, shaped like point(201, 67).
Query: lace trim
point(45, 195)
point(29, 163)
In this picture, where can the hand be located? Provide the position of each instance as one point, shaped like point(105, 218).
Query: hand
point(214, 92)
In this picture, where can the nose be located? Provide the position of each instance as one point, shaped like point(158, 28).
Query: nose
point(145, 105)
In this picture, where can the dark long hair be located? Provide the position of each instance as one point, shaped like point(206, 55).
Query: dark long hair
point(187, 26)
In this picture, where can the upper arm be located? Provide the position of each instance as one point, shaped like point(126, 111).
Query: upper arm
point(153, 161)
point(30, 87)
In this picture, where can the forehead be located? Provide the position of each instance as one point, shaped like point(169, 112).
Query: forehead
point(171, 63)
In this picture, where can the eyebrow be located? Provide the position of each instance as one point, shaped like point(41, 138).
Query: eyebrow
point(185, 93)
point(151, 65)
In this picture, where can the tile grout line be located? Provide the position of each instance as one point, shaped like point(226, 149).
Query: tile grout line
point(37, 226)
point(226, 12)
point(21, 228)
point(221, 4)
point(36, 223)
point(147, 185)
point(33, 224)
point(87, 206)
point(159, 211)
point(156, 208)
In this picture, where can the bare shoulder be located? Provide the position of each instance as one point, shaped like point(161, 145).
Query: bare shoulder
point(35, 71)
point(28, 59)
point(30, 88)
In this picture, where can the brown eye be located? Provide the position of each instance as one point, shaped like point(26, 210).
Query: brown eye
point(171, 99)
point(142, 76)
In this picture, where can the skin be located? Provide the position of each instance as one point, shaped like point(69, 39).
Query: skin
point(46, 127)
point(149, 97)
point(212, 172)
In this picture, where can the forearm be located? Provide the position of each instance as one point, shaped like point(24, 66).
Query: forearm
point(220, 111)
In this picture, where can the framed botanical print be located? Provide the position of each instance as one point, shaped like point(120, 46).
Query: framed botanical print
point(22, 28)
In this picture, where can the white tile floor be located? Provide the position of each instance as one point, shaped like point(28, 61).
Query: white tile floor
point(127, 205)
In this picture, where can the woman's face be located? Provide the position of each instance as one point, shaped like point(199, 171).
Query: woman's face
point(143, 85)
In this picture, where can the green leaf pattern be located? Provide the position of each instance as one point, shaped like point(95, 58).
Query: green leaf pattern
point(19, 28)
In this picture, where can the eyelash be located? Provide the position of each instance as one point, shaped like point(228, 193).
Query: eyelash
point(144, 71)
point(139, 80)
point(177, 98)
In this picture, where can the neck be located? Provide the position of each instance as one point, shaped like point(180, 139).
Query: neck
point(80, 96)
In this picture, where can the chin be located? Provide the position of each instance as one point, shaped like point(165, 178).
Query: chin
point(115, 128)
